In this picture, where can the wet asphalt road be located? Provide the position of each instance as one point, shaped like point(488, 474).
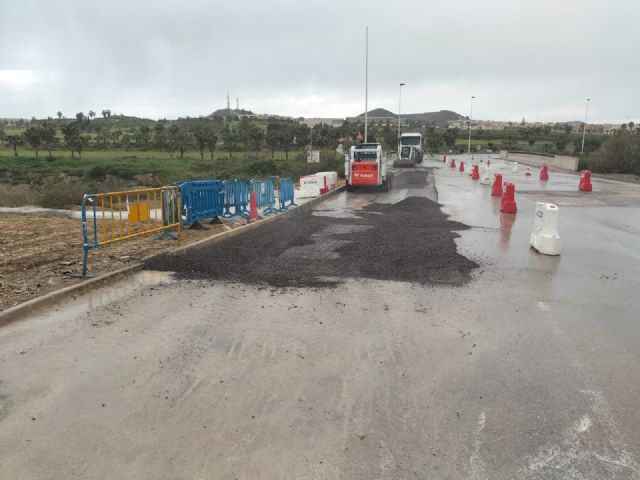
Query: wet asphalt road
point(529, 371)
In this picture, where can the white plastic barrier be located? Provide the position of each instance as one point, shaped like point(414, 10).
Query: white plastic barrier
point(485, 176)
point(310, 186)
point(332, 179)
point(514, 169)
point(544, 235)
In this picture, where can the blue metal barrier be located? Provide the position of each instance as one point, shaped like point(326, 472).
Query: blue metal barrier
point(236, 195)
point(265, 195)
point(286, 194)
point(202, 199)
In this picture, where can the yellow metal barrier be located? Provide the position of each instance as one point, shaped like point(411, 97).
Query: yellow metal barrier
point(118, 216)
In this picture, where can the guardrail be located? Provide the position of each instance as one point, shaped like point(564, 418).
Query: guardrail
point(201, 200)
point(287, 194)
point(119, 216)
point(265, 195)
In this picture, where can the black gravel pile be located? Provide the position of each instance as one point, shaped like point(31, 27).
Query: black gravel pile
point(410, 241)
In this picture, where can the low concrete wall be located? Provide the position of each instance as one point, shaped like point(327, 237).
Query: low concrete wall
point(558, 161)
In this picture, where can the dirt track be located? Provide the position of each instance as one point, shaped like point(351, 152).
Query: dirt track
point(39, 254)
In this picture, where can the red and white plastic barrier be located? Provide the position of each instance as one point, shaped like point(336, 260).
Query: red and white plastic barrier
point(496, 189)
point(317, 184)
point(508, 202)
point(585, 181)
point(544, 172)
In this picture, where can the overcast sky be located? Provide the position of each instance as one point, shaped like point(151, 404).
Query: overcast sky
point(538, 59)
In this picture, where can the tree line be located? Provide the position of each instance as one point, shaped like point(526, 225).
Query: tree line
point(202, 135)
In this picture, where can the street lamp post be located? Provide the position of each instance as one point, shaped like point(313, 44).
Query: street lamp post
point(584, 128)
point(470, 116)
point(366, 83)
point(399, 106)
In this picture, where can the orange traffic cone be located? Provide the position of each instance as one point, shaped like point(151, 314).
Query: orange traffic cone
point(253, 208)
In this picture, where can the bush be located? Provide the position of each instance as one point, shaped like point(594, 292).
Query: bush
point(619, 154)
point(97, 173)
point(18, 195)
point(62, 192)
point(261, 168)
point(583, 163)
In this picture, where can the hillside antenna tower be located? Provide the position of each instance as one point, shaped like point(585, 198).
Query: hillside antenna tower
point(228, 104)
point(366, 82)
point(237, 103)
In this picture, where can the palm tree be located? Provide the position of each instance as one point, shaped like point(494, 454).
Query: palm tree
point(59, 115)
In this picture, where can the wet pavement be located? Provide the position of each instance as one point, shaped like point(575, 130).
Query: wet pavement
point(527, 371)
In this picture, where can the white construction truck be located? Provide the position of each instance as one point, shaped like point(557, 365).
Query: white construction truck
point(409, 150)
point(365, 167)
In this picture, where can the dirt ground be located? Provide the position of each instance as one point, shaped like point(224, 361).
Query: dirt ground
point(40, 253)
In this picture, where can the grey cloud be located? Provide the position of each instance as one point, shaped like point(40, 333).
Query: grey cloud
point(534, 58)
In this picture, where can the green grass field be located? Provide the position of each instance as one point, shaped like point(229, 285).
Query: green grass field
point(165, 166)
point(61, 180)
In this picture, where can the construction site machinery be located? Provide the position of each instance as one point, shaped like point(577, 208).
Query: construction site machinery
point(407, 156)
point(414, 141)
point(365, 167)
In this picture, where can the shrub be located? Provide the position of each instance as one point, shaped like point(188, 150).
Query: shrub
point(18, 195)
point(261, 168)
point(62, 192)
point(619, 154)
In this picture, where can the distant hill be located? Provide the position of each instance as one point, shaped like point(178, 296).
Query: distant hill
point(441, 118)
point(122, 121)
point(231, 111)
point(380, 113)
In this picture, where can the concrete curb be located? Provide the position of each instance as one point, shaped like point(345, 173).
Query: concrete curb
point(21, 310)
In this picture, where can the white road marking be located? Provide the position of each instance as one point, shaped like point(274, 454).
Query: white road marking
point(592, 448)
point(478, 472)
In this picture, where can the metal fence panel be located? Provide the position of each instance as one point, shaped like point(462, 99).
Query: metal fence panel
point(201, 199)
point(287, 194)
point(118, 216)
point(265, 195)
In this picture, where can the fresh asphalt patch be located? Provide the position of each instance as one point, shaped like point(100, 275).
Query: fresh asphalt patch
point(408, 241)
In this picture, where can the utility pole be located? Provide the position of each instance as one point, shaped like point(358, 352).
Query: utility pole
point(366, 82)
point(237, 103)
point(584, 128)
point(469, 126)
point(399, 106)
